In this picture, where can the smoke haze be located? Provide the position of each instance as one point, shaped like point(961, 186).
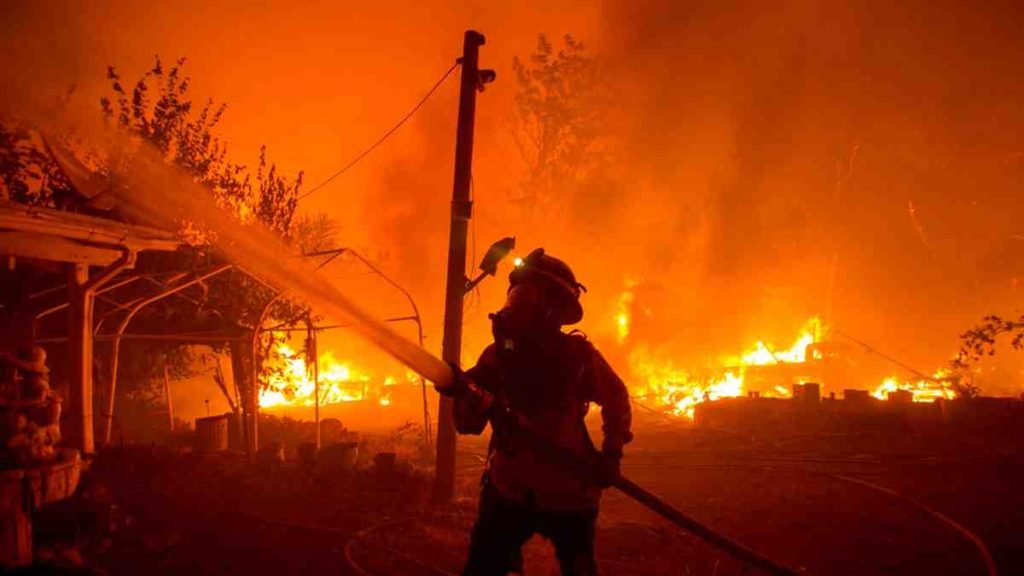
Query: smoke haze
point(862, 163)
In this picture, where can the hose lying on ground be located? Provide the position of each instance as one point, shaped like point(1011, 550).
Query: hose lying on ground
point(584, 469)
point(979, 544)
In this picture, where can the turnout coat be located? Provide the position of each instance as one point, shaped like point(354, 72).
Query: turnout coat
point(552, 384)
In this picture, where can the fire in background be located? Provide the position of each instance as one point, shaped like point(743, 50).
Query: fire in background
point(290, 382)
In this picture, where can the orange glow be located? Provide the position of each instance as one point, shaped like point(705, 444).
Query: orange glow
point(778, 189)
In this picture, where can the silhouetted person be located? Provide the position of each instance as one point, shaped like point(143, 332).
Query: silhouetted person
point(548, 378)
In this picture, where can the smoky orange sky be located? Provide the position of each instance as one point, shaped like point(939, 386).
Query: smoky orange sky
point(862, 162)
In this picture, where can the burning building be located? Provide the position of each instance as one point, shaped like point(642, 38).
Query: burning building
point(833, 367)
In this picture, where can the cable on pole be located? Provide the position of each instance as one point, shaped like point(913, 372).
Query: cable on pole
point(386, 135)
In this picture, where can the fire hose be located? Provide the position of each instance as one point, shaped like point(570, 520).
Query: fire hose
point(674, 515)
point(580, 466)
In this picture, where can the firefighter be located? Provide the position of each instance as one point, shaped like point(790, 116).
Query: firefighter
point(535, 372)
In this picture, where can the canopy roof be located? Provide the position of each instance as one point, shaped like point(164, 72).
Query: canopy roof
point(60, 236)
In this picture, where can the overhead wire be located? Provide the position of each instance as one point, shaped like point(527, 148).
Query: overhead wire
point(386, 135)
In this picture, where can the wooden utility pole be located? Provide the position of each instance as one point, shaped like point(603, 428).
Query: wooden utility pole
point(462, 210)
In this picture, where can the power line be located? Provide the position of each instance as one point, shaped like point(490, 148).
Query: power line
point(386, 135)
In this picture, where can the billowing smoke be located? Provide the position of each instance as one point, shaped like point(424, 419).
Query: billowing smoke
point(861, 163)
point(858, 163)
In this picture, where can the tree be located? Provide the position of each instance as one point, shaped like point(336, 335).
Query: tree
point(314, 232)
point(560, 123)
point(165, 120)
point(158, 111)
point(980, 341)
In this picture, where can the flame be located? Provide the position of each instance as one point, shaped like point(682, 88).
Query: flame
point(290, 381)
point(763, 355)
point(669, 386)
point(921, 391)
point(623, 318)
point(675, 388)
point(622, 324)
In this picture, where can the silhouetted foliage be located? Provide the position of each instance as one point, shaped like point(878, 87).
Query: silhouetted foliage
point(560, 123)
point(314, 232)
point(27, 173)
point(159, 111)
point(980, 341)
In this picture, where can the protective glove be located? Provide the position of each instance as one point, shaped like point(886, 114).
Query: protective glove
point(607, 468)
point(463, 389)
point(460, 383)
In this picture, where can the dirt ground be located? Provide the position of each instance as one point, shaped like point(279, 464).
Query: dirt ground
point(795, 499)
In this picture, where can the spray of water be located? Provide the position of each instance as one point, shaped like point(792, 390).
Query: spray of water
point(151, 191)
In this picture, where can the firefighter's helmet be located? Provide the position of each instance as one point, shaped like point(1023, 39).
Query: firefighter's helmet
point(556, 278)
